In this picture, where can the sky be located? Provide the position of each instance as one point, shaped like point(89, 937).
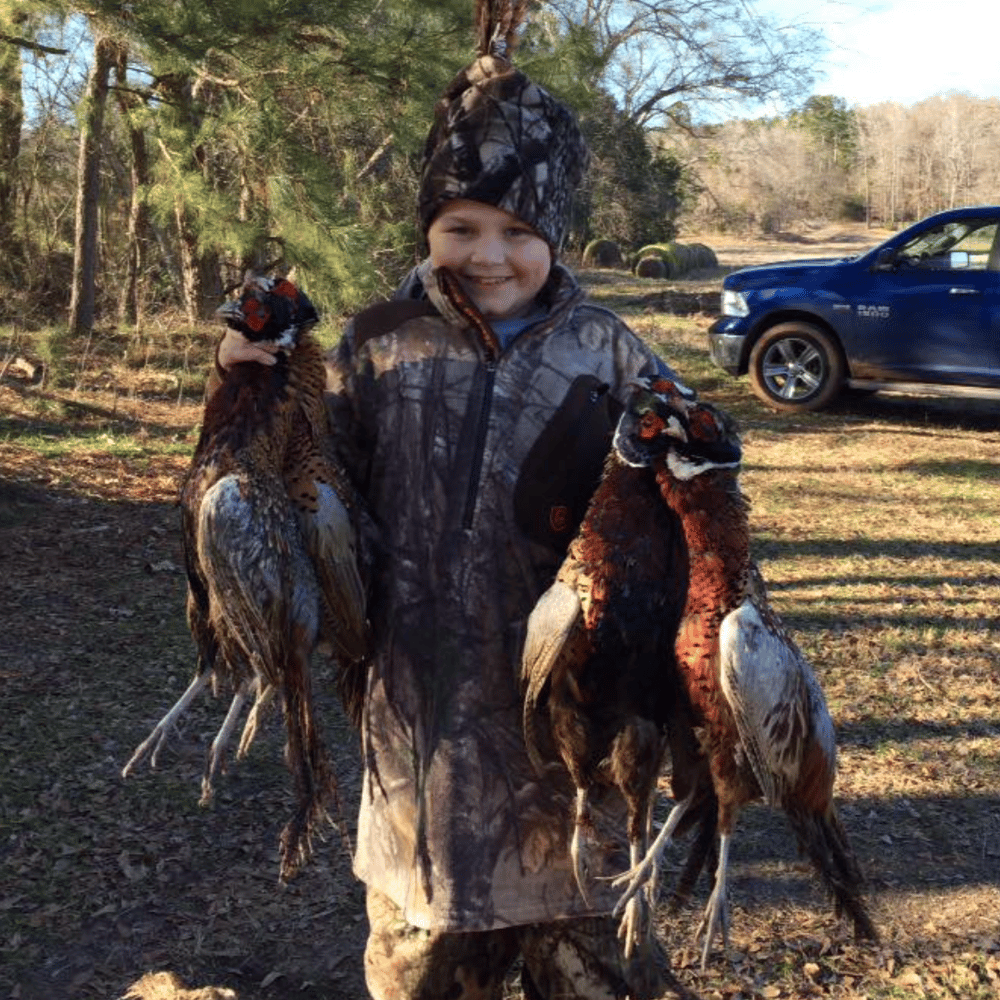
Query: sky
point(900, 50)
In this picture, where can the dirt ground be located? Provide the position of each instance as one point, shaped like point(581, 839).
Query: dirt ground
point(110, 885)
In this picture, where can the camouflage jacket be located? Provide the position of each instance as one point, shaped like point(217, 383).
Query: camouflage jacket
point(477, 467)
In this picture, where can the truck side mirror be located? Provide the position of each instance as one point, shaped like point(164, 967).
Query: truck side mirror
point(885, 261)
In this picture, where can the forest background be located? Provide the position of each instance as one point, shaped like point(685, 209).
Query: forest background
point(150, 153)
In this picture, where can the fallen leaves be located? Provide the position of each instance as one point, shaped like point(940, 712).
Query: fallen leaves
point(104, 880)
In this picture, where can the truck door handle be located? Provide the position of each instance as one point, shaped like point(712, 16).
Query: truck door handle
point(963, 291)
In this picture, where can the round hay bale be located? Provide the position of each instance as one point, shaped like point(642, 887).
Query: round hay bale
point(651, 266)
point(665, 252)
point(684, 257)
point(704, 256)
point(602, 253)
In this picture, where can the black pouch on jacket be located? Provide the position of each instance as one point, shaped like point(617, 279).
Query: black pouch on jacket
point(564, 466)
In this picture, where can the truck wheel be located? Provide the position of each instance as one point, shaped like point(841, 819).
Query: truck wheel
point(796, 366)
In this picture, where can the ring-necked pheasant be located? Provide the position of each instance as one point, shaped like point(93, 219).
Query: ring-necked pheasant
point(767, 733)
point(601, 692)
point(271, 532)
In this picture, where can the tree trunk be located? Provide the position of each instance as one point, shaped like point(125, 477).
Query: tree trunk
point(83, 296)
point(131, 300)
point(11, 120)
point(187, 244)
point(201, 285)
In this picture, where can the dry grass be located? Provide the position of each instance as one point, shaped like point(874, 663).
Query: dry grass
point(877, 525)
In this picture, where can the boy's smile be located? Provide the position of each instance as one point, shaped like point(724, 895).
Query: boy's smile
point(500, 261)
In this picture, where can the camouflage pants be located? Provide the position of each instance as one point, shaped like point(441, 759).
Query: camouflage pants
point(566, 960)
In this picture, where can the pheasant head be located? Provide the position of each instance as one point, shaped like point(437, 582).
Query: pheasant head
point(271, 309)
point(664, 421)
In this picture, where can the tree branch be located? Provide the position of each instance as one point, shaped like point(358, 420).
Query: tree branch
point(27, 43)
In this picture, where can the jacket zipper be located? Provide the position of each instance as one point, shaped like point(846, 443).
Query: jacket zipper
point(449, 286)
point(472, 494)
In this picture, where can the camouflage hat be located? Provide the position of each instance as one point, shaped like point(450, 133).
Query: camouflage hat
point(501, 139)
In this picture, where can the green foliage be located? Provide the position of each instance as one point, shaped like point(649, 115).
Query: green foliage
point(326, 250)
point(564, 58)
point(54, 347)
point(832, 125)
point(265, 160)
point(634, 191)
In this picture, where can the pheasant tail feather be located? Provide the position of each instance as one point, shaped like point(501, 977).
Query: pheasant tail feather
point(314, 781)
point(823, 838)
point(497, 24)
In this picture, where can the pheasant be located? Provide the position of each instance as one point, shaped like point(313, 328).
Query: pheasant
point(600, 691)
point(271, 532)
point(765, 729)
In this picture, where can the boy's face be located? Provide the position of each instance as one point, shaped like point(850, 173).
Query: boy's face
point(500, 261)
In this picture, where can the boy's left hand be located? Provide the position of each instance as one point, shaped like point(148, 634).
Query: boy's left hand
point(234, 348)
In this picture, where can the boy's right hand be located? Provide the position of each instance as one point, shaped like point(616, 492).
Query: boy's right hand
point(234, 348)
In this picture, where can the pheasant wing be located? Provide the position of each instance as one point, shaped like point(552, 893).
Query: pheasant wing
point(331, 541)
point(248, 547)
point(776, 699)
point(326, 507)
point(556, 633)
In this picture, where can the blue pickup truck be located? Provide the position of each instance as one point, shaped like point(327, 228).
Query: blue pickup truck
point(919, 313)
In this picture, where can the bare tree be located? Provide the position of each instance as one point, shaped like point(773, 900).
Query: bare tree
point(658, 56)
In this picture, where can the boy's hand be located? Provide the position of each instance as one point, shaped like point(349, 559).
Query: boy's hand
point(234, 348)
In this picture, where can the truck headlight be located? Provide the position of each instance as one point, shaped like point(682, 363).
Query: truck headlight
point(733, 303)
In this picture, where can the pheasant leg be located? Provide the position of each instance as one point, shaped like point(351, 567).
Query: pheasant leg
point(716, 916)
point(577, 849)
point(160, 731)
point(643, 873)
point(217, 751)
point(265, 695)
point(634, 925)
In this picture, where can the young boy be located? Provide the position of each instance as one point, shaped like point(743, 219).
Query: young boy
point(474, 411)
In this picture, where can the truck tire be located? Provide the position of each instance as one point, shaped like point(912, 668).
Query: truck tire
point(796, 366)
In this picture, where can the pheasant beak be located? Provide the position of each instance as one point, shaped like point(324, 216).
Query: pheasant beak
point(653, 425)
point(675, 429)
point(230, 311)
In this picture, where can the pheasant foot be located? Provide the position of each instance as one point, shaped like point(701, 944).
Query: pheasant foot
point(716, 918)
point(162, 729)
point(643, 873)
point(217, 751)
